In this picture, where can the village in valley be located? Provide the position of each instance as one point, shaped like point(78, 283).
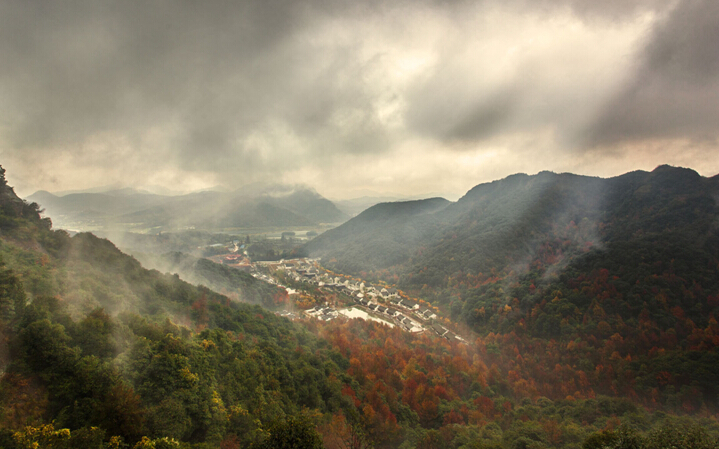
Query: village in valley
point(317, 293)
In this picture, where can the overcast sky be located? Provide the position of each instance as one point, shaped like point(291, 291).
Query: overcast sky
point(347, 96)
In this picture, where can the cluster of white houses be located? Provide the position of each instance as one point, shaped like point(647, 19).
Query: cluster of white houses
point(406, 313)
point(322, 313)
point(365, 296)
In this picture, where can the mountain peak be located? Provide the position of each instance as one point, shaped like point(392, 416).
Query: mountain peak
point(672, 169)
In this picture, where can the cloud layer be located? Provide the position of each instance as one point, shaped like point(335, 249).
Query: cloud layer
point(410, 97)
point(674, 92)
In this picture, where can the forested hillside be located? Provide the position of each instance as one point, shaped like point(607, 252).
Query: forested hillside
point(382, 236)
point(618, 278)
point(119, 355)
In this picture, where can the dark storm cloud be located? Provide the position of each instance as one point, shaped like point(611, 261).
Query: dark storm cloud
point(674, 93)
point(211, 71)
point(451, 117)
point(270, 86)
point(464, 98)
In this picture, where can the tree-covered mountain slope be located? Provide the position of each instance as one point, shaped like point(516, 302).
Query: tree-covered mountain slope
point(622, 272)
point(92, 342)
point(504, 224)
point(382, 236)
point(524, 224)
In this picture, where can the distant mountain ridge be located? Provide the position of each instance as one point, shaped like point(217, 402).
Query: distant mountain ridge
point(549, 232)
point(504, 219)
point(253, 206)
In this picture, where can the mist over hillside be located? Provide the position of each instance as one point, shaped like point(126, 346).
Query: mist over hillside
point(383, 235)
point(98, 352)
point(503, 224)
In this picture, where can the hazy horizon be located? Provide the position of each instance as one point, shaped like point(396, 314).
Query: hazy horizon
point(353, 195)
